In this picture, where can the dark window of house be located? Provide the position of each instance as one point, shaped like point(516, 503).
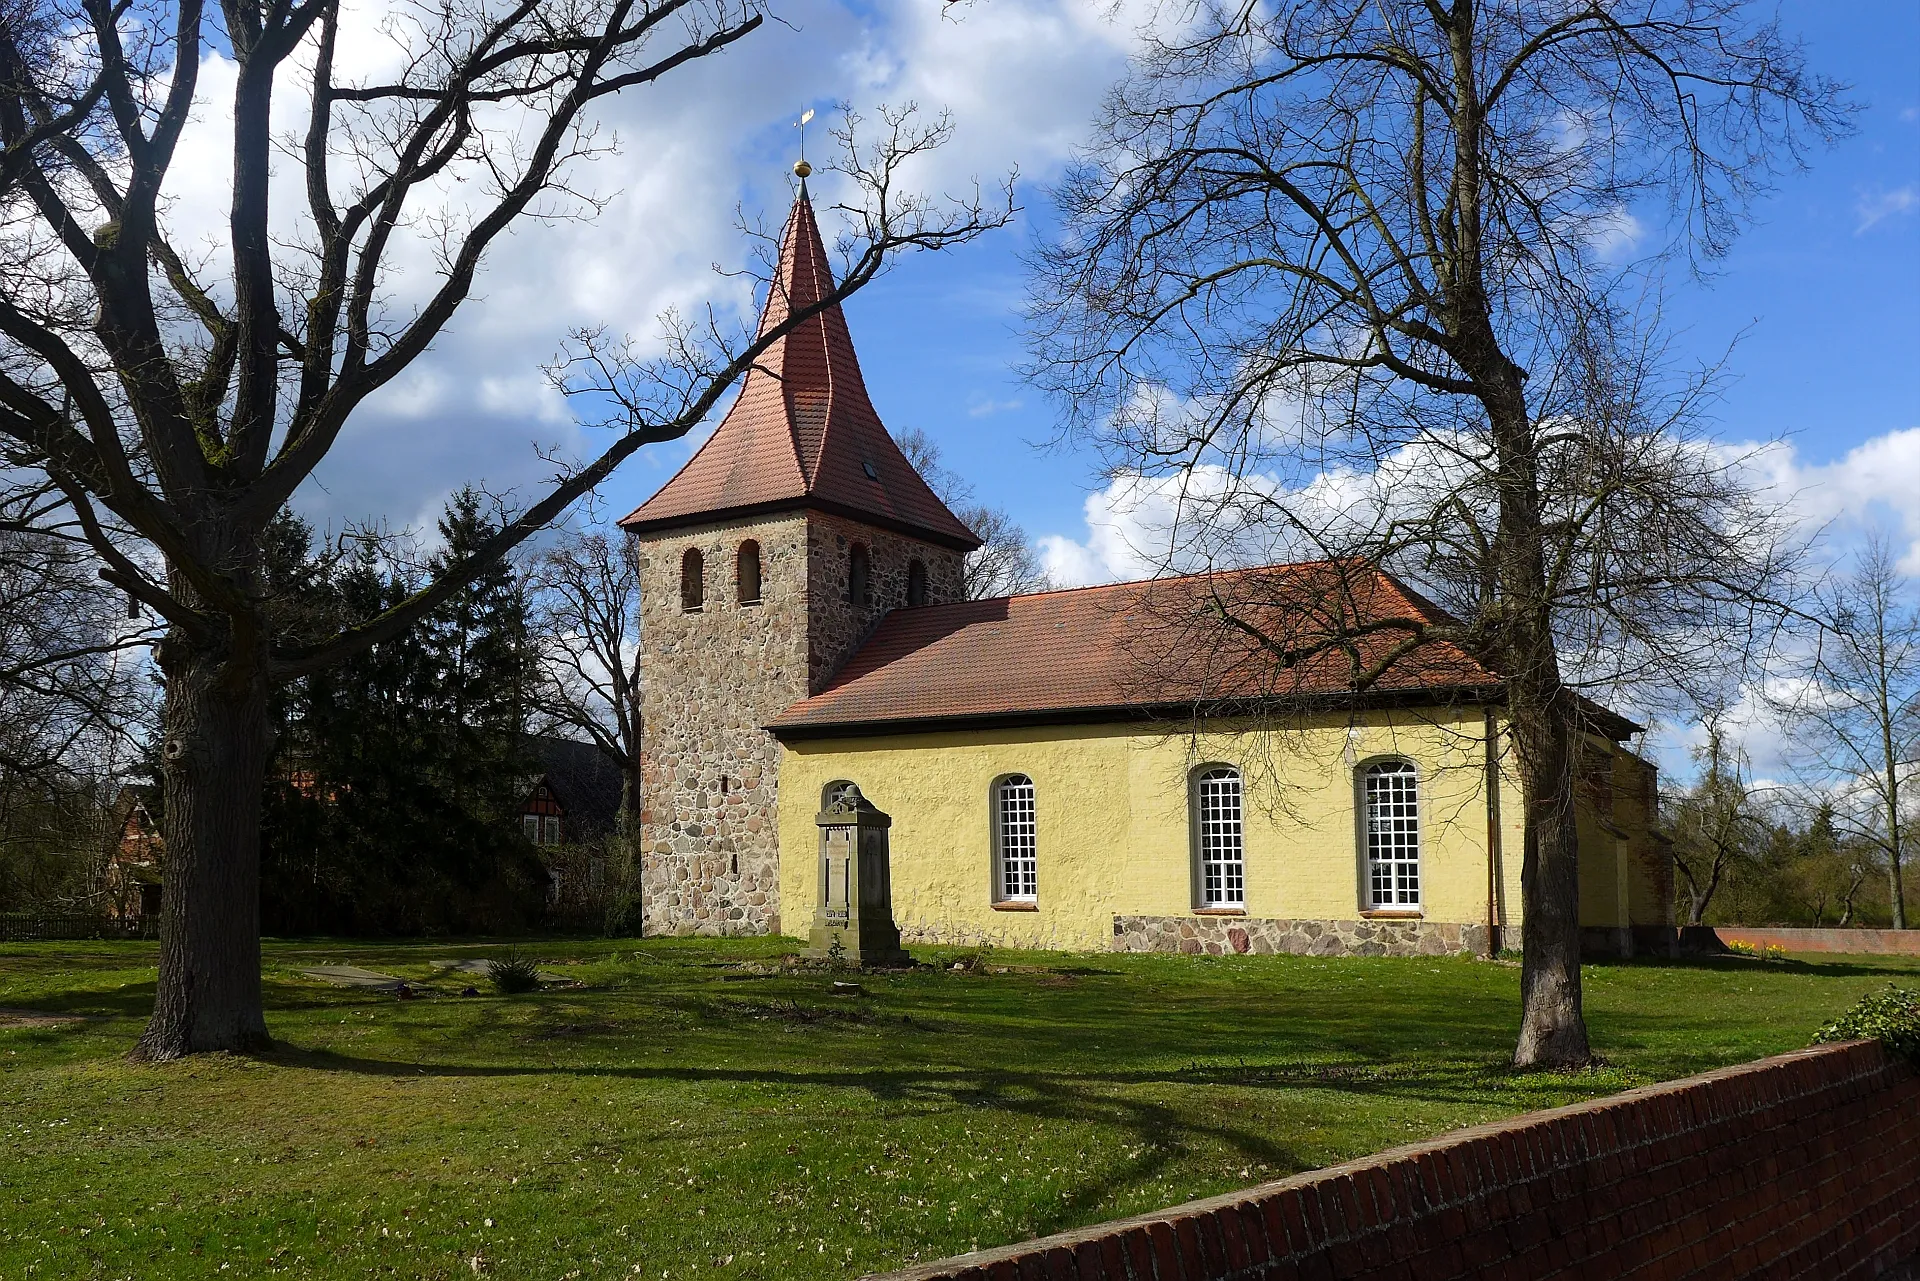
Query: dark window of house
point(859, 571)
point(747, 572)
point(693, 581)
point(916, 582)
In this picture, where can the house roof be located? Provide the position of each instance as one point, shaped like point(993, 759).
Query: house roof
point(802, 432)
point(1132, 649)
point(583, 778)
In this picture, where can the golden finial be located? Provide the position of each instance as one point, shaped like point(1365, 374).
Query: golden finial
point(800, 166)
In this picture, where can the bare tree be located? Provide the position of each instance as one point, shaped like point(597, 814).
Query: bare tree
point(1717, 824)
point(1343, 269)
point(1854, 712)
point(1005, 563)
point(586, 598)
point(71, 674)
point(190, 399)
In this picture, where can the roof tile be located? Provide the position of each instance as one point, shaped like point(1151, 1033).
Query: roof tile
point(802, 429)
point(1141, 645)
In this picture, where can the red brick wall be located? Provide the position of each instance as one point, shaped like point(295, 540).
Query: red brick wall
point(1882, 942)
point(1805, 1165)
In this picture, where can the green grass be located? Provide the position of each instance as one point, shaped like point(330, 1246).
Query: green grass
point(681, 1116)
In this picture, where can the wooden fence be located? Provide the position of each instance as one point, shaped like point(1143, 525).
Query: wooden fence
point(29, 927)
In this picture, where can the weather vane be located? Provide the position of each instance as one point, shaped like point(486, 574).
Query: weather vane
point(801, 166)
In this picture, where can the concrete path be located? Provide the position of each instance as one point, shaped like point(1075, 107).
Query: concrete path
point(352, 976)
point(36, 1018)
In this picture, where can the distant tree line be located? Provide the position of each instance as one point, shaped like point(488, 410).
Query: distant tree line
point(73, 691)
point(1766, 855)
point(1826, 842)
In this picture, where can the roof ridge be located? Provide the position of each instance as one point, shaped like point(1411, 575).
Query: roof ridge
point(1141, 582)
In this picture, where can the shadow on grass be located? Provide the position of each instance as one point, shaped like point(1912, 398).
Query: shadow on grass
point(1161, 1134)
point(1458, 1082)
point(1855, 965)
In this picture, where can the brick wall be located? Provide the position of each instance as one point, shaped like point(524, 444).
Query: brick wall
point(1805, 1165)
point(1881, 942)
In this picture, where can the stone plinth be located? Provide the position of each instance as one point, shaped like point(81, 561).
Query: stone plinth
point(1226, 935)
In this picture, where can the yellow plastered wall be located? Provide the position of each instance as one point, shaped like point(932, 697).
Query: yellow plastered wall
point(1112, 822)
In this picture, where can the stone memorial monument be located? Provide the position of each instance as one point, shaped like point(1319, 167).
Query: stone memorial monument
point(854, 920)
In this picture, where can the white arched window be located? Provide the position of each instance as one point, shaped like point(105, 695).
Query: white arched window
point(1392, 798)
point(1016, 871)
point(1219, 844)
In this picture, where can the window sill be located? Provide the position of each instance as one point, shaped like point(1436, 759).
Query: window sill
point(1219, 911)
point(1016, 905)
point(1393, 914)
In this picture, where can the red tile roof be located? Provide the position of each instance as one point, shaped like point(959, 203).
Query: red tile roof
point(1100, 652)
point(802, 432)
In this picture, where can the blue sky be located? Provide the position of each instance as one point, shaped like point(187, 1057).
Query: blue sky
point(1821, 294)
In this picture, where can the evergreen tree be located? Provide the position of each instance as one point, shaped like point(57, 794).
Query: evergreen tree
point(399, 773)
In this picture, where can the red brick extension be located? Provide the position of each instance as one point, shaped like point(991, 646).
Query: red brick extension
point(1805, 1165)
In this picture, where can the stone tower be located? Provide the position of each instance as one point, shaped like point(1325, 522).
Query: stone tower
point(764, 563)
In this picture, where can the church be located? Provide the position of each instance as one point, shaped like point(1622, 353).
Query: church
point(1087, 769)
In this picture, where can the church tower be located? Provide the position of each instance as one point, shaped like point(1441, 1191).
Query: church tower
point(764, 563)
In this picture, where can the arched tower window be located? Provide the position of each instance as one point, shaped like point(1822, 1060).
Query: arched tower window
point(1220, 872)
point(916, 581)
point(1015, 841)
point(859, 575)
point(693, 582)
point(746, 573)
point(834, 791)
point(1392, 798)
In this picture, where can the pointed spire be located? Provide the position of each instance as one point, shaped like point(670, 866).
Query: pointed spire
point(802, 432)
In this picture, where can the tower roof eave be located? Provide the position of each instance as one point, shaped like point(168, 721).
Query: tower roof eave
point(640, 523)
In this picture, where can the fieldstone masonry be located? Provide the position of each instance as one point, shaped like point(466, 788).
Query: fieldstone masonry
point(710, 820)
point(709, 775)
point(836, 625)
point(1226, 935)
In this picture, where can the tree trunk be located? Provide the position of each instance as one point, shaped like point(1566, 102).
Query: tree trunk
point(1553, 1031)
point(214, 759)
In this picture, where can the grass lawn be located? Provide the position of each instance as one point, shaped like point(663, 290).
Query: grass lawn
point(679, 1115)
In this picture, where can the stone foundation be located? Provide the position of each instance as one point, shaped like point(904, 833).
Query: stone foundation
point(1226, 935)
point(710, 894)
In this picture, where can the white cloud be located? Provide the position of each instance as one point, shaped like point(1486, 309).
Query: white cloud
point(1139, 526)
point(986, 406)
point(1876, 206)
point(1874, 486)
point(1616, 235)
